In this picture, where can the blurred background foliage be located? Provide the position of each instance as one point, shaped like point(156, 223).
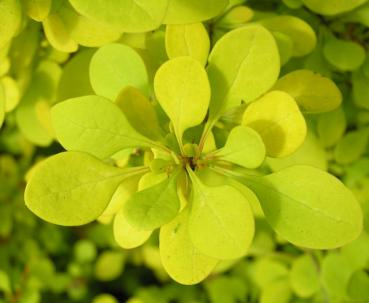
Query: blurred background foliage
point(40, 65)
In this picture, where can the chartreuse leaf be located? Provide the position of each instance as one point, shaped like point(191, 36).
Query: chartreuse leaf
point(304, 276)
point(243, 65)
point(86, 31)
point(285, 46)
point(360, 89)
point(12, 93)
point(193, 11)
point(95, 125)
point(310, 153)
point(72, 188)
point(11, 17)
point(300, 32)
point(217, 228)
point(74, 81)
point(331, 127)
point(236, 16)
point(358, 286)
point(352, 145)
point(2, 105)
point(183, 91)
point(244, 147)
point(37, 9)
point(276, 292)
point(350, 56)
point(313, 92)
point(187, 40)
point(126, 15)
point(226, 289)
point(140, 112)
point(332, 7)
point(308, 207)
point(109, 265)
point(279, 122)
point(114, 67)
point(180, 258)
point(126, 235)
point(154, 206)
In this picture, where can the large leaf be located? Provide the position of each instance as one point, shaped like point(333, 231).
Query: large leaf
point(180, 258)
point(72, 188)
point(313, 92)
point(192, 11)
point(126, 15)
point(183, 91)
point(309, 207)
point(332, 7)
point(95, 125)
point(243, 65)
point(114, 67)
point(187, 40)
point(221, 221)
point(154, 206)
point(278, 120)
point(244, 147)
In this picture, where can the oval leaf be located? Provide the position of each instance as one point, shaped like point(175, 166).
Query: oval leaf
point(244, 147)
point(309, 207)
point(114, 67)
point(71, 188)
point(278, 120)
point(183, 262)
point(94, 125)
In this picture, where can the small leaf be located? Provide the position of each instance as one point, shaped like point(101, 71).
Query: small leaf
point(276, 292)
point(304, 276)
point(183, 91)
point(180, 258)
point(309, 207)
point(71, 188)
point(331, 127)
point(358, 286)
point(278, 120)
point(11, 17)
point(38, 10)
point(244, 147)
point(350, 57)
point(313, 92)
point(221, 221)
point(187, 40)
point(300, 32)
point(94, 125)
point(193, 11)
point(243, 65)
point(109, 265)
point(140, 112)
point(131, 16)
point(152, 207)
point(114, 67)
point(2, 105)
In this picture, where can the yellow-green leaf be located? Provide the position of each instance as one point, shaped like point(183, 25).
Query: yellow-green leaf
point(278, 120)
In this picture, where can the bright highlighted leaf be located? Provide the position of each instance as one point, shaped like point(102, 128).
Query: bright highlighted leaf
point(183, 91)
point(309, 207)
point(244, 147)
point(349, 57)
point(72, 188)
point(139, 112)
point(126, 235)
point(278, 120)
point(218, 228)
point(180, 258)
point(313, 92)
point(332, 7)
point(37, 9)
point(300, 32)
point(94, 125)
point(192, 11)
point(11, 17)
point(154, 206)
point(187, 40)
point(12, 93)
point(114, 67)
point(130, 16)
point(304, 277)
point(243, 65)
